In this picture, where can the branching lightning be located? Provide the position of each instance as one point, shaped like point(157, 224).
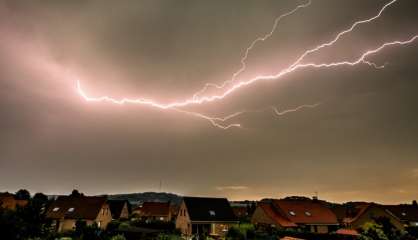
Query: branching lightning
point(249, 48)
point(198, 98)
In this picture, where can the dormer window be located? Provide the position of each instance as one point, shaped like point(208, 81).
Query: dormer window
point(71, 209)
point(212, 213)
point(55, 209)
point(292, 213)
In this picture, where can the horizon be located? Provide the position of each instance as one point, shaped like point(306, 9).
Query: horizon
point(281, 196)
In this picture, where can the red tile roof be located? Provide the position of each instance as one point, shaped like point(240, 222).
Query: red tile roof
point(275, 216)
point(303, 211)
point(350, 232)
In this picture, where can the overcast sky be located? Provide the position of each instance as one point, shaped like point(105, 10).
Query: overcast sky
point(360, 143)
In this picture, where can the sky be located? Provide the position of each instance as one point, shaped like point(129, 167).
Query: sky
point(358, 140)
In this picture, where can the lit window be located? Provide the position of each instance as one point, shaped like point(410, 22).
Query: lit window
point(71, 209)
point(55, 209)
point(292, 213)
point(403, 214)
point(212, 213)
point(308, 214)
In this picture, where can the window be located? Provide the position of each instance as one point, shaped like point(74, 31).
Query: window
point(55, 209)
point(212, 213)
point(292, 213)
point(71, 209)
point(308, 214)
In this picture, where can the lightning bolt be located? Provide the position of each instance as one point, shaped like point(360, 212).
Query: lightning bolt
point(198, 100)
point(249, 48)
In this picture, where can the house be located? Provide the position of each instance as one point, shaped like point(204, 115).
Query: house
point(406, 213)
point(208, 216)
point(295, 213)
point(358, 215)
point(9, 201)
point(154, 211)
point(65, 211)
point(119, 209)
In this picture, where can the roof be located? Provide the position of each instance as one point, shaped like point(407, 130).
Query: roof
point(350, 232)
point(305, 211)
point(202, 209)
point(272, 213)
point(71, 207)
point(404, 212)
point(116, 207)
point(290, 238)
point(154, 209)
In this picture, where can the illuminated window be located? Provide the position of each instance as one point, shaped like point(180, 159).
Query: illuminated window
point(71, 209)
point(55, 209)
point(292, 213)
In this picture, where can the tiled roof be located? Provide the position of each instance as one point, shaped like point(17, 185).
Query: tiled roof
point(404, 212)
point(275, 216)
point(350, 232)
point(71, 207)
point(302, 211)
point(209, 209)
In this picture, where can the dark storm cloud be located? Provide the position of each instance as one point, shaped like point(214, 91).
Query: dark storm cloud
point(360, 140)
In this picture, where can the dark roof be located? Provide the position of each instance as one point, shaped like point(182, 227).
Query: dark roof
point(72, 207)
point(209, 209)
point(116, 207)
point(404, 212)
point(154, 209)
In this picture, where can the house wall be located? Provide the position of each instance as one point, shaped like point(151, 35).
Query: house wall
point(124, 214)
point(183, 220)
point(220, 229)
point(260, 218)
point(319, 228)
point(66, 225)
point(104, 217)
point(375, 212)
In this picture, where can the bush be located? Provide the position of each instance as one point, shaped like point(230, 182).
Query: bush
point(118, 237)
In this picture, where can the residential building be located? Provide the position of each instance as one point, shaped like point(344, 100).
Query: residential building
point(65, 211)
point(9, 201)
point(207, 216)
point(295, 213)
point(154, 211)
point(406, 213)
point(358, 215)
point(119, 209)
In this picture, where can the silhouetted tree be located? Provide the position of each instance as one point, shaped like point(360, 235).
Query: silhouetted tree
point(23, 194)
point(40, 197)
point(76, 193)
